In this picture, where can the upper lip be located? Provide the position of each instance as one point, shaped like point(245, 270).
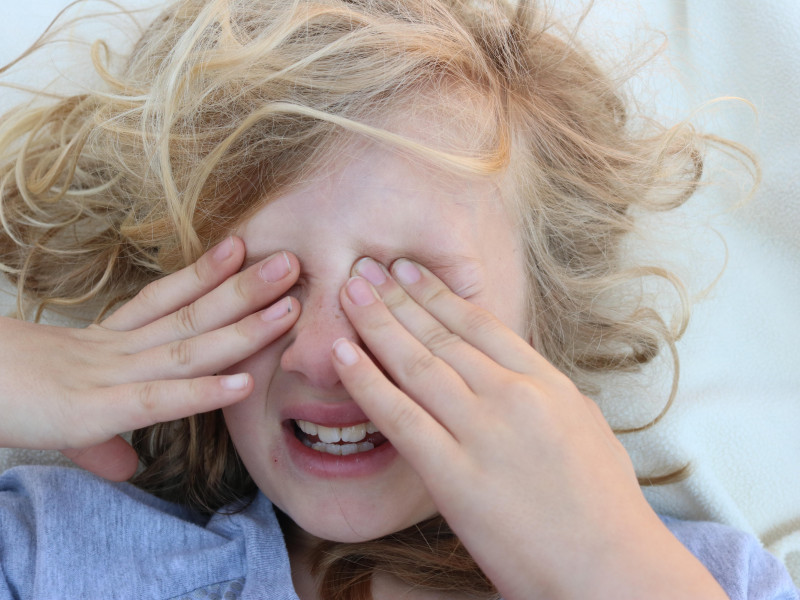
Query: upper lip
point(329, 414)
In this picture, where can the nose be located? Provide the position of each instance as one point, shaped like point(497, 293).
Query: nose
point(321, 323)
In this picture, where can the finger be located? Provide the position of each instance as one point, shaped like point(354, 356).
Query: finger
point(423, 376)
point(136, 405)
point(475, 367)
point(170, 293)
point(213, 351)
point(239, 296)
point(114, 459)
point(427, 445)
point(469, 321)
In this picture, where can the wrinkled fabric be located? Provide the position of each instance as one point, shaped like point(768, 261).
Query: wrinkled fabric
point(65, 533)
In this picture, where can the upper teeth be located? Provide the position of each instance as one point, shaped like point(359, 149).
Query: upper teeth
point(332, 435)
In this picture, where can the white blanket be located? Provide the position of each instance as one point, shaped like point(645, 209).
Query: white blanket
point(737, 415)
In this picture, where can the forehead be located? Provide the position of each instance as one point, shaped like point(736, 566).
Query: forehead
point(376, 174)
point(443, 116)
point(378, 195)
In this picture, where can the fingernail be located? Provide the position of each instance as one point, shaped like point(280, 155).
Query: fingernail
point(371, 271)
point(275, 268)
point(344, 352)
point(406, 271)
point(360, 292)
point(277, 310)
point(223, 250)
point(234, 382)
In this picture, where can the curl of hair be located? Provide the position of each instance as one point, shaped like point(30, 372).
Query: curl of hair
point(224, 105)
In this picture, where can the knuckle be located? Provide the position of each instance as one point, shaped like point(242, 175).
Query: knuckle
point(239, 287)
point(395, 299)
point(521, 389)
point(525, 400)
point(180, 354)
point(187, 319)
point(437, 339)
point(199, 272)
point(434, 295)
point(149, 294)
point(478, 319)
point(243, 331)
point(147, 397)
point(420, 366)
point(403, 416)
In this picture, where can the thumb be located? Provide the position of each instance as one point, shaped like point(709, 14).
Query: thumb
point(113, 459)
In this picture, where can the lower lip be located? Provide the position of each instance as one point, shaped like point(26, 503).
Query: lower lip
point(330, 466)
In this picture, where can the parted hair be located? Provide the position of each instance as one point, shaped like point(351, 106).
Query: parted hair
point(224, 105)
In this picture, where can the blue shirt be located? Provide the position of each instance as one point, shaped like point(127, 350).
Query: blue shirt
point(65, 533)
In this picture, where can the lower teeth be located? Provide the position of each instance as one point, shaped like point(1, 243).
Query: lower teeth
point(340, 449)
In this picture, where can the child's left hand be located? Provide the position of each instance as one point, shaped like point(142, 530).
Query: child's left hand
point(522, 465)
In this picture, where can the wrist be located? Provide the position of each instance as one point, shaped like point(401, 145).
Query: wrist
point(643, 561)
point(624, 557)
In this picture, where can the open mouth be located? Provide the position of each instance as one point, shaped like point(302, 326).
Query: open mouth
point(339, 441)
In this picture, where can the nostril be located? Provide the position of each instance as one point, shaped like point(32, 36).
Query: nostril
point(309, 355)
point(308, 345)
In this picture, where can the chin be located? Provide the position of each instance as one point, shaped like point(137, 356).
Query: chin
point(353, 522)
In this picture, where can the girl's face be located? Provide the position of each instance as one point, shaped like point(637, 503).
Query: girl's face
point(385, 206)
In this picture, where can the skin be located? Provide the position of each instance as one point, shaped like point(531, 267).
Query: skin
point(153, 360)
point(478, 417)
point(382, 204)
point(429, 349)
point(575, 517)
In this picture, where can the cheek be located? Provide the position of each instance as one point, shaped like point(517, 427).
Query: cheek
point(505, 282)
point(506, 301)
point(261, 365)
point(249, 419)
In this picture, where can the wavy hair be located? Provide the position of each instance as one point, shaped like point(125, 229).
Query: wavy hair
point(224, 105)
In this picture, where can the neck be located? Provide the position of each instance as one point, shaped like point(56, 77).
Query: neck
point(300, 546)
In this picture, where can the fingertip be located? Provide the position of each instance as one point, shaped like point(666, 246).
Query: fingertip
point(406, 271)
point(294, 262)
point(371, 270)
point(229, 252)
point(222, 251)
point(294, 307)
point(360, 292)
point(236, 383)
point(345, 352)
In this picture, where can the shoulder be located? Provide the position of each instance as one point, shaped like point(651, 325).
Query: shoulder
point(68, 533)
point(53, 489)
point(736, 559)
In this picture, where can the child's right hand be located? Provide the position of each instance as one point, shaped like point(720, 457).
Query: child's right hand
point(153, 360)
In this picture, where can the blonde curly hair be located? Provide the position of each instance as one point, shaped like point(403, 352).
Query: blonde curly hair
point(224, 105)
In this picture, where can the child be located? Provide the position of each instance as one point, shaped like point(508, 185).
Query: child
point(373, 384)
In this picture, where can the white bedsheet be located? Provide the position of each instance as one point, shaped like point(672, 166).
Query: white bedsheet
point(737, 415)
